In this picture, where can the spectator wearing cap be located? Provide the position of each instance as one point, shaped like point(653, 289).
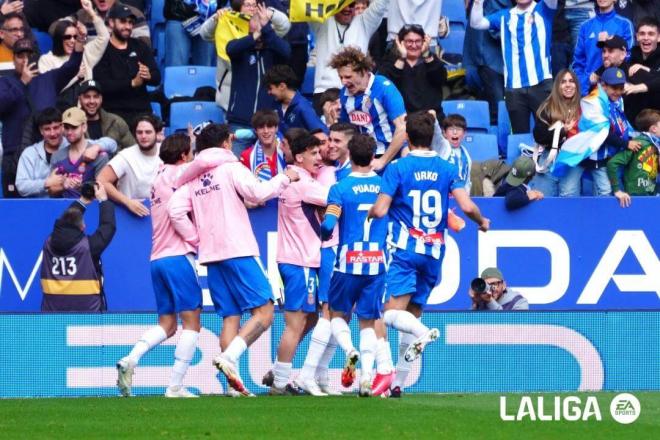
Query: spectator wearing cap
point(515, 188)
point(526, 32)
point(128, 177)
point(101, 123)
point(606, 24)
point(183, 44)
point(292, 108)
point(497, 296)
point(126, 68)
point(28, 92)
point(32, 175)
point(78, 163)
point(614, 52)
point(417, 72)
point(64, 35)
point(644, 71)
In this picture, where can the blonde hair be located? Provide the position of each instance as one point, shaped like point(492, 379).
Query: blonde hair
point(555, 106)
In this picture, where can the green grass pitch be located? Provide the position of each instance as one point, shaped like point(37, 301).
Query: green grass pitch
point(437, 416)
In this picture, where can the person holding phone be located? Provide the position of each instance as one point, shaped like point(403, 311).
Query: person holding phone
point(25, 93)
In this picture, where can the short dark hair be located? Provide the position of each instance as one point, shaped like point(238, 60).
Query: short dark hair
point(647, 118)
point(362, 148)
point(48, 116)
point(353, 57)
point(344, 127)
point(281, 73)
point(408, 28)
point(304, 143)
point(419, 126)
point(72, 216)
point(10, 16)
point(316, 131)
point(154, 120)
point(212, 136)
point(454, 120)
point(265, 118)
point(647, 21)
point(330, 95)
point(294, 133)
point(236, 5)
point(173, 147)
point(58, 36)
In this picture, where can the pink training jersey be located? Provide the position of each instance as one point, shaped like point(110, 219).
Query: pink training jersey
point(298, 226)
point(222, 228)
point(326, 177)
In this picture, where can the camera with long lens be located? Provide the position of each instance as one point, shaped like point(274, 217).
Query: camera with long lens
point(479, 286)
point(88, 189)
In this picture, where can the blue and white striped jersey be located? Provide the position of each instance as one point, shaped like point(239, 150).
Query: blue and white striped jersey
point(526, 38)
point(361, 249)
point(374, 111)
point(419, 185)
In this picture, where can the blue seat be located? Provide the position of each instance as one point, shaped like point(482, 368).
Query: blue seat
point(307, 86)
point(184, 80)
point(514, 142)
point(454, 10)
point(44, 41)
point(156, 16)
point(194, 112)
point(481, 146)
point(155, 108)
point(475, 113)
point(158, 45)
point(503, 125)
point(453, 43)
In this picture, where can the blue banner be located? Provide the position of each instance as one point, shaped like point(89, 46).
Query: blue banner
point(75, 354)
point(561, 254)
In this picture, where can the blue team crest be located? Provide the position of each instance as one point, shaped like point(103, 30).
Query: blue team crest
point(252, 60)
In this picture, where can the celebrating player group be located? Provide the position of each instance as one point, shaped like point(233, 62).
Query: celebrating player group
point(350, 241)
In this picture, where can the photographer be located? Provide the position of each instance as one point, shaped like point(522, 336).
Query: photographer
point(489, 292)
point(71, 275)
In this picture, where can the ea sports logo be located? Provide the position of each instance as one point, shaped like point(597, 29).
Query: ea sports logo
point(625, 408)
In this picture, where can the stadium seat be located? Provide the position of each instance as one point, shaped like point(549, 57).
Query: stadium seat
point(44, 41)
point(194, 112)
point(514, 142)
point(454, 10)
point(481, 146)
point(453, 43)
point(155, 108)
point(184, 80)
point(307, 86)
point(156, 16)
point(475, 113)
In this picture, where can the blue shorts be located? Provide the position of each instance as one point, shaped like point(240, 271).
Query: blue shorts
point(300, 287)
point(413, 274)
point(175, 285)
point(238, 285)
point(364, 291)
point(328, 257)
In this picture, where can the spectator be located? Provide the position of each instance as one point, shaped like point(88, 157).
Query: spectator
point(71, 257)
point(338, 32)
point(577, 12)
point(140, 29)
point(527, 72)
point(360, 6)
point(12, 29)
point(80, 162)
point(495, 295)
point(405, 12)
point(417, 73)
point(587, 57)
point(515, 188)
point(250, 57)
point(183, 43)
point(645, 66)
point(131, 173)
point(641, 166)
point(64, 35)
point(32, 174)
point(280, 24)
point(42, 13)
point(372, 103)
point(26, 92)
point(101, 123)
point(561, 47)
point(330, 106)
point(298, 39)
point(637, 10)
point(289, 137)
point(486, 176)
point(340, 135)
point(292, 108)
point(453, 129)
point(563, 107)
point(127, 68)
point(265, 158)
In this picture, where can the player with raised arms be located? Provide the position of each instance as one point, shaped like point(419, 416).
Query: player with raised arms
point(415, 192)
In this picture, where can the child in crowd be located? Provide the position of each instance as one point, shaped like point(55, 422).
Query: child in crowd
point(454, 127)
point(514, 189)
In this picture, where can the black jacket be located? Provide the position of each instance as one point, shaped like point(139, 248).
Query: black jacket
point(633, 104)
point(515, 197)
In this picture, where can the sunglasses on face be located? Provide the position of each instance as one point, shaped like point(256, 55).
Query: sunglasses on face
point(68, 37)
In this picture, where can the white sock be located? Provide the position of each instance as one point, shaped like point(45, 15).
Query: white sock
point(324, 363)
point(342, 334)
point(235, 349)
point(185, 350)
point(149, 339)
point(403, 367)
point(281, 371)
point(368, 342)
point(319, 341)
point(405, 321)
point(384, 363)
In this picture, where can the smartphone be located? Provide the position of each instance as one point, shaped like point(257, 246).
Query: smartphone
point(33, 59)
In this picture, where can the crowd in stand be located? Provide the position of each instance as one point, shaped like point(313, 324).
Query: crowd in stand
point(373, 63)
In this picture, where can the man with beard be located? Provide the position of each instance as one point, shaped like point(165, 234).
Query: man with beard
point(101, 123)
point(127, 68)
point(129, 175)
